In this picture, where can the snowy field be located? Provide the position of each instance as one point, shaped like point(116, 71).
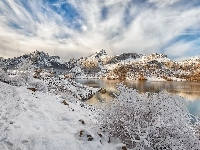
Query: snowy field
point(38, 121)
point(50, 114)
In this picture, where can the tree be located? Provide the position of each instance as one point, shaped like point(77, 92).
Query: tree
point(3, 75)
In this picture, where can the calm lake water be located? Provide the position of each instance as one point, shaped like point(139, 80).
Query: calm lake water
point(189, 90)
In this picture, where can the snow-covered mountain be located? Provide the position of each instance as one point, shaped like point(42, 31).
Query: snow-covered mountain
point(134, 66)
point(131, 66)
point(38, 59)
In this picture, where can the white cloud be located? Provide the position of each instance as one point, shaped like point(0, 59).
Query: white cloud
point(178, 49)
point(163, 3)
point(43, 28)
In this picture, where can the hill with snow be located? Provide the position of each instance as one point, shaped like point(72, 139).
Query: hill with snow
point(40, 121)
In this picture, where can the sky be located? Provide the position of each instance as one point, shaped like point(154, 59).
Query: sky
point(76, 28)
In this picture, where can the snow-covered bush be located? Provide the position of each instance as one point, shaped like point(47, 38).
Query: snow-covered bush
point(82, 92)
point(3, 75)
point(25, 70)
point(38, 85)
point(16, 81)
point(149, 121)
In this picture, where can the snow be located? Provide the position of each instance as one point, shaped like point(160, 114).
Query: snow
point(152, 78)
point(60, 61)
point(163, 59)
point(111, 66)
point(101, 55)
point(155, 79)
point(191, 60)
point(80, 91)
point(177, 79)
point(40, 121)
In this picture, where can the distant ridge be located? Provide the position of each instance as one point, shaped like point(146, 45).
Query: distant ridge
point(38, 58)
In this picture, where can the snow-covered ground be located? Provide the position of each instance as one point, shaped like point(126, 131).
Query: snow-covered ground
point(40, 121)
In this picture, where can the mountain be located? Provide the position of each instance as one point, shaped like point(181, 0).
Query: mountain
point(131, 66)
point(124, 56)
point(38, 59)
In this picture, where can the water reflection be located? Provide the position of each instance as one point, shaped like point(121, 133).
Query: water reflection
point(189, 90)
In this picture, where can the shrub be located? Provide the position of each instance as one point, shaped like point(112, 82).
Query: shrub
point(121, 72)
point(25, 71)
point(39, 85)
point(156, 121)
point(3, 75)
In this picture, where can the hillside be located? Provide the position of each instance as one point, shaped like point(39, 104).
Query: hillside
point(40, 121)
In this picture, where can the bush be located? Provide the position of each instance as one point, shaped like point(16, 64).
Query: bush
point(3, 75)
point(25, 71)
point(156, 121)
point(121, 72)
point(39, 85)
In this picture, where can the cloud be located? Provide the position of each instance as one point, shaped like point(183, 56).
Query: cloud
point(74, 28)
point(178, 49)
point(183, 49)
point(163, 3)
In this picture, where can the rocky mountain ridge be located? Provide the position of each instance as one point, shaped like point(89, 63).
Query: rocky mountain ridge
point(37, 58)
point(131, 66)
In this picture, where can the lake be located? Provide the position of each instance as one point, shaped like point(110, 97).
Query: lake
point(189, 90)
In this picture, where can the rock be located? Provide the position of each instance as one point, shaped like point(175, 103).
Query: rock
point(109, 140)
point(65, 103)
point(90, 139)
point(32, 89)
point(81, 133)
point(11, 122)
point(100, 135)
point(84, 135)
point(82, 121)
point(102, 91)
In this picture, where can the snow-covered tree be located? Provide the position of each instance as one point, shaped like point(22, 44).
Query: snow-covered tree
point(25, 70)
point(1, 62)
point(3, 75)
point(149, 121)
